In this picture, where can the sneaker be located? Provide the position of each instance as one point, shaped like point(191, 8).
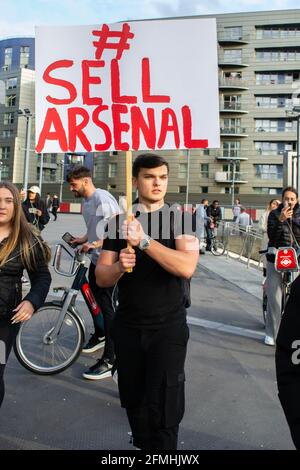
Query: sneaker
point(269, 341)
point(25, 281)
point(93, 344)
point(100, 370)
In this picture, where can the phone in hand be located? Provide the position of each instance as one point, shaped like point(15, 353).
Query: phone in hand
point(67, 237)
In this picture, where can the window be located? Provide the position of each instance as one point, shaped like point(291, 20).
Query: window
point(274, 148)
point(277, 55)
point(112, 170)
point(8, 133)
point(111, 186)
point(4, 153)
point(7, 57)
point(24, 56)
point(4, 171)
point(204, 189)
point(182, 170)
point(267, 190)
point(206, 152)
point(11, 83)
point(232, 102)
point(275, 31)
point(275, 125)
point(182, 189)
point(233, 32)
point(231, 149)
point(8, 118)
point(233, 56)
point(227, 190)
point(204, 170)
point(10, 100)
point(231, 125)
point(268, 171)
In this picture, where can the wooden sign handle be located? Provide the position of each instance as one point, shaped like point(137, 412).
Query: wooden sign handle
point(129, 194)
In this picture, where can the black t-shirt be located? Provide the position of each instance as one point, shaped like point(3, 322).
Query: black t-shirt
point(151, 297)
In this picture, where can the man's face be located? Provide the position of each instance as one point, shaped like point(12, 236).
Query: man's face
point(205, 202)
point(78, 187)
point(290, 198)
point(215, 204)
point(152, 183)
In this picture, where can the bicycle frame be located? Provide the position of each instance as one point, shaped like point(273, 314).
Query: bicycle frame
point(80, 284)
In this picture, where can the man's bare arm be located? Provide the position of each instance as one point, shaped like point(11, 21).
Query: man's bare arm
point(111, 267)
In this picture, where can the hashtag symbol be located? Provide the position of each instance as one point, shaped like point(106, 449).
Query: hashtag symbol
point(104, 34)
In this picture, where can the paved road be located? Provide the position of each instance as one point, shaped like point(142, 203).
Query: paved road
point(231, 397)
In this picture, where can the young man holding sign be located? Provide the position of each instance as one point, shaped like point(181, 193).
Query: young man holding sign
point(150, 330)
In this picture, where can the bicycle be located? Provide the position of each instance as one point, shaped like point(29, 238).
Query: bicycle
point(217, 246)
point(286, 263)
point(53, 338)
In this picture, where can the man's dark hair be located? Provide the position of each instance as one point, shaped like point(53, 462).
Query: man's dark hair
point(78, 172)
point(216, 200)
point(290, 188)
point(148, 160)
point(203, 200)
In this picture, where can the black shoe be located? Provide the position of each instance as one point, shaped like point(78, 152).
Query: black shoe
point(208, 249)
point(202, 252)
point(100, 370)
point(93, 344)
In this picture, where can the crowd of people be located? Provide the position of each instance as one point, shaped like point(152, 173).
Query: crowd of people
point(144, 335)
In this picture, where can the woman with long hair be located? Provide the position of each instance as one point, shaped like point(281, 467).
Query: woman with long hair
point(20, 248)
point(263, 225)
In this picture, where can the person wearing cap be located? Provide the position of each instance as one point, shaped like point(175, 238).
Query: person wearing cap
point(34, 208)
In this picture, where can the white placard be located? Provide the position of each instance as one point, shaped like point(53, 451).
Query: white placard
point(159, 91)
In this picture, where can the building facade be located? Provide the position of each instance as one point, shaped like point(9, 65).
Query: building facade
point(259, 74)
point(259, 67)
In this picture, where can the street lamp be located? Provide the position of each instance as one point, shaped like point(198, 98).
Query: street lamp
point(28, 115)
point(234, 163)
point(296, 109)
point(62, 164)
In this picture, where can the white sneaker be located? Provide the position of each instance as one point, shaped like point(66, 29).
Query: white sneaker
point(269, 341)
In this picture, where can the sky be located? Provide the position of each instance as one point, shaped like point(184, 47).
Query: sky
point(18, 17)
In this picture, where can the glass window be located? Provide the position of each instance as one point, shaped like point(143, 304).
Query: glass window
point(7, 133)
point(231, 148)
point(10, 100)
point(4, 153)
point(204, 189)
point(24, 56)
point(11, 83)
point(8, 57)
point(204, 170)
point(112, 170)
point(233, 55)
point(268, 171)
point(233, 32)
point(182, 170)
point(265, 190)
point(8, 118)
point(182, 189)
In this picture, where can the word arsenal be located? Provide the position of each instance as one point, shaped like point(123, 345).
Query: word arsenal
point(124, 109)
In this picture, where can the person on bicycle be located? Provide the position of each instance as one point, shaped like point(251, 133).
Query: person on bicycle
point(20, 248)
point(98, 206)
point(215, 215)
point(150, 329)
point(283, 230)
point(287, 359)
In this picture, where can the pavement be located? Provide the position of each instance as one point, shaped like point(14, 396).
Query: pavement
point(231, 393)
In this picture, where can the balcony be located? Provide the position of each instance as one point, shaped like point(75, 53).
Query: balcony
point(233, 132)
point(234, 108)
point(230, 62)
point(231, 39)
point(227, 177)
point(233, 155)
point(232, 84)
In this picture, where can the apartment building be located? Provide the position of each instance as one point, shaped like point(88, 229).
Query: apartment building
point(259, 67)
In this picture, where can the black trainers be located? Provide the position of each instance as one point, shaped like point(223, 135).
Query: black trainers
point(93, 344)
point(98, 371)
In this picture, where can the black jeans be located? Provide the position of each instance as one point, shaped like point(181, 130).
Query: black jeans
point(8, 333)
point(54, 212)
point(150, 366)
point(103, 297)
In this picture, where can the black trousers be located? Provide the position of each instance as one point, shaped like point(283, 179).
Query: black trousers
point(54, 212)
point(103, 297)
point(8, 335)
point(150, 366)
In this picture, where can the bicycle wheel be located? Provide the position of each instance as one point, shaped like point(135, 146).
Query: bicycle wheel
point(37, 353)
point(217, 247)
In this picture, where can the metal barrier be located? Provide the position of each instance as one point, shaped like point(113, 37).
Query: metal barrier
point(245, 242)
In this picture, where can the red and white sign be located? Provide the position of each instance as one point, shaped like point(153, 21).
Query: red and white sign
point(286, 259)
point(127, 86)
